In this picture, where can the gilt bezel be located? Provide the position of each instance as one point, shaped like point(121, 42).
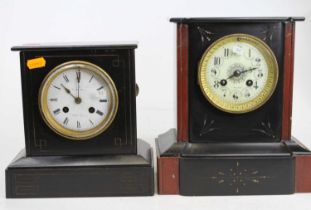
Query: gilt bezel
point(263, 96)
point(56, 126)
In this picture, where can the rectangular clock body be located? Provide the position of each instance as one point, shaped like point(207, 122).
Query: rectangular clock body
point(117, 61)
point(198, 119)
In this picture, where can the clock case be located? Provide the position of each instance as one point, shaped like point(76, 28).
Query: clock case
point(218, 153)
point(119, 63)
point(114, 163)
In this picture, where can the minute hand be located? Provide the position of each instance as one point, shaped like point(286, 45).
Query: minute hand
point(251, 69)
point(78, 80)
point(237, 73)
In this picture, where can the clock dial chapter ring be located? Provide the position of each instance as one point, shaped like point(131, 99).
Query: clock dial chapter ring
point(58, 127)
point(238, 74)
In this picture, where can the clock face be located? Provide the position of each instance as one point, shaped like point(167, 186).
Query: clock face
point(78, 100)
point(238, 73)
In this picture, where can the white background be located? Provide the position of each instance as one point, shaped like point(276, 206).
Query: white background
point(37, 21)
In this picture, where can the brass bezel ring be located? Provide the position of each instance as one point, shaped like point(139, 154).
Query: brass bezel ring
point(56, 126)
point(264, 95)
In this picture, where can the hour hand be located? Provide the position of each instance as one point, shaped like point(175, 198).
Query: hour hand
point(67, 90)
point(77, 100)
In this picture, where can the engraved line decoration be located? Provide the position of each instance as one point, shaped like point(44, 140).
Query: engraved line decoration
point(238, 177)
point(205, 35)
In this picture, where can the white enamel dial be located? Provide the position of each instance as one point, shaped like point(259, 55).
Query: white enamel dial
point(78, 100)
point(238, 73)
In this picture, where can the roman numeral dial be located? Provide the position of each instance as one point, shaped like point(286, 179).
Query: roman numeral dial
point(78, 100)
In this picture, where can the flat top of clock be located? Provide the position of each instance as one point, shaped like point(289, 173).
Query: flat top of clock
point(75, 46)
point(235, 19)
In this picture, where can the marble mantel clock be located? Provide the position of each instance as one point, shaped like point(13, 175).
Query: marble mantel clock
point(234, 103)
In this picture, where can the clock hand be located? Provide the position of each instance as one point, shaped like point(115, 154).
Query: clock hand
point(237, 73)
point(251, 69)
point(67, 91)
point(78, 73)
point(77, 100)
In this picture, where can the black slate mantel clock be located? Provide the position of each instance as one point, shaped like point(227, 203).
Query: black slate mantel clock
point(79, 105)
point(81, 101)
point(234, 101)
